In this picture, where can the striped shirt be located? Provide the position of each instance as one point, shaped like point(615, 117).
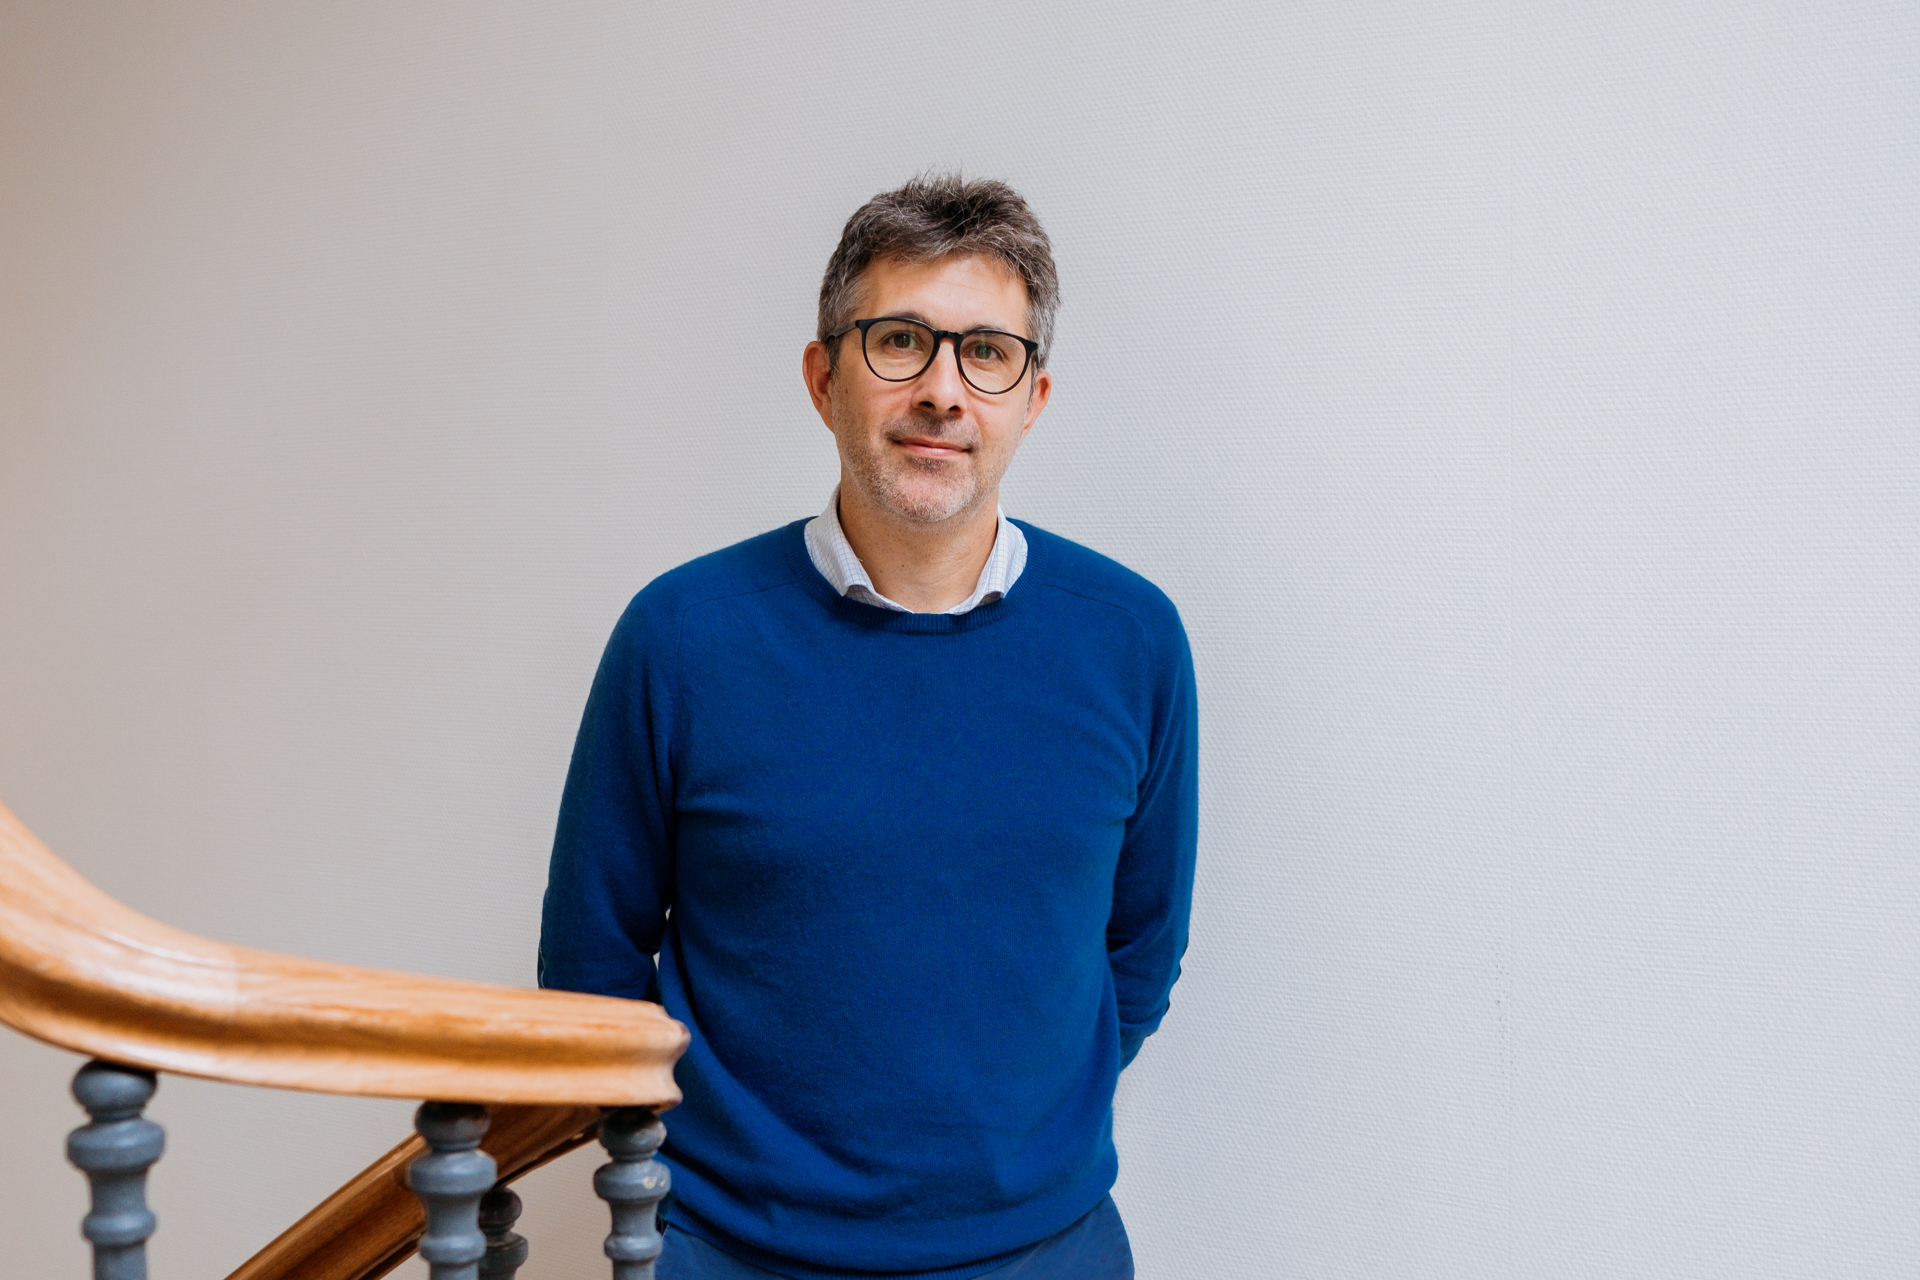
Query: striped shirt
point(833, 556)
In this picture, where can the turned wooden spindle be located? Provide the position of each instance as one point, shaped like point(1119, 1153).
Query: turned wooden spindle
point(115, 1151)
point(450, 1179)
point(633, 1185)
point(506, 1249)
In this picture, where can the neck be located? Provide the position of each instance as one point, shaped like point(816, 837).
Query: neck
point(929, 568)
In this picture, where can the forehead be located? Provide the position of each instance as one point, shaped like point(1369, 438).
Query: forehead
point(965, 291)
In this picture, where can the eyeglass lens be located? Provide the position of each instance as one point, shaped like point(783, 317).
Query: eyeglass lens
point(898, 350)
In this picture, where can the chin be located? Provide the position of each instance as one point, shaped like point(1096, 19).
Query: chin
point(926, 513)
point(924, 504)
point(914, 491)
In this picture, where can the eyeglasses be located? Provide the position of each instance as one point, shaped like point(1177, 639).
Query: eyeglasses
point(900, 350)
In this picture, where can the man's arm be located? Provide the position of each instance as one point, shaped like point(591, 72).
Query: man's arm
point(612, 876)
point(1153, 884)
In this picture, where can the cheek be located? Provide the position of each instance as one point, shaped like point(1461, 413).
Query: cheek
point(845, 404)
point(1013, 429)
point(862, 408)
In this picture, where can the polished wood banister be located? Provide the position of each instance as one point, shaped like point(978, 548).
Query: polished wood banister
point(370, 1225)
point(81, 971)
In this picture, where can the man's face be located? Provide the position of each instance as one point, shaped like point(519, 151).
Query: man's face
point(932, 449)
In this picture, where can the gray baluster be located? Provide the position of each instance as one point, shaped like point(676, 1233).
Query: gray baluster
point(450, 1179)
point(115, 1151)
point(506, 1250)
point(633, 1186)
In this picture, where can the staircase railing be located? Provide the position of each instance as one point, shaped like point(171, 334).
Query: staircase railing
point(512, 1079)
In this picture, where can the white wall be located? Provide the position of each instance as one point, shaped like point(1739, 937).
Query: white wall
point(1520, 403)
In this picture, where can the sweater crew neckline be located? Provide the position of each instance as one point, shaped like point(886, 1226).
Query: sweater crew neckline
point(875, 618)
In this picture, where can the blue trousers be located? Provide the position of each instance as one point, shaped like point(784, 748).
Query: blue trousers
point(1094, 1248)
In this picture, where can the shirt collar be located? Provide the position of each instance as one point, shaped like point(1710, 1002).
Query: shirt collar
point(833, 556)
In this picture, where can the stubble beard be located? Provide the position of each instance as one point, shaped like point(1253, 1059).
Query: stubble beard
point(916, 490)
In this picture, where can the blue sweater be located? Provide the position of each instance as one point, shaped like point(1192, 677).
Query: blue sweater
point(918, 884)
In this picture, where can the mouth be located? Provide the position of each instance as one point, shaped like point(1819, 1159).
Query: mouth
point(930, 446)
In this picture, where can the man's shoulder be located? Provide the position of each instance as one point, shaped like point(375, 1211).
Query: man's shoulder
point(1080, 571)
point(760, 563)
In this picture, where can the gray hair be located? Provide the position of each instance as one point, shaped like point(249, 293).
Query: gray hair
point(937, 216)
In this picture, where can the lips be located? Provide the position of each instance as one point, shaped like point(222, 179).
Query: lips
point(929, 447)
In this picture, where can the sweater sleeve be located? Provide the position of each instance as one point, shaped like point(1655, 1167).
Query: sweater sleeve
point(611, 881)
point(1153, 884)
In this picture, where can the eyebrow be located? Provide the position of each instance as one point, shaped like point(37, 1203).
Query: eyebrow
point(921, 318)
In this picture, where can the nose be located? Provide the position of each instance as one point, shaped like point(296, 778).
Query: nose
point(940, 386)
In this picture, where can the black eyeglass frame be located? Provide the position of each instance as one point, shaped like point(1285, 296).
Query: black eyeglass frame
point(939, 335)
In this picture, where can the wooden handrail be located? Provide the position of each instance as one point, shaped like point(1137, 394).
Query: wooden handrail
point(370, 1226)
point(83, 972)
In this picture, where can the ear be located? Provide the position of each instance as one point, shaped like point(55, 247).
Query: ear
point(817, 371)
point(1036, 400)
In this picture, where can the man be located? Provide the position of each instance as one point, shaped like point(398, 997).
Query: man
point(904, 799)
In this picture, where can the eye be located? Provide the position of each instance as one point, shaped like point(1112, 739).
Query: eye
point(991, 350)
